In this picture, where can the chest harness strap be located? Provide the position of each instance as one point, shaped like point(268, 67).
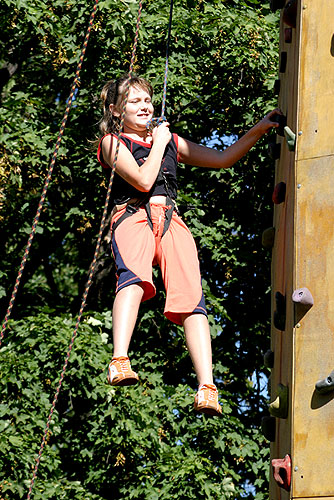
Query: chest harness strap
point(132, 209)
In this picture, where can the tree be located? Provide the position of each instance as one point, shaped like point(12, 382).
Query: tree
point(222, 70)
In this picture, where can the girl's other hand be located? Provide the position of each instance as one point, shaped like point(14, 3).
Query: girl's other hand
point(268, 122)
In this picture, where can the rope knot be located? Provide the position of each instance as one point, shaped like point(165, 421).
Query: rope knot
point(155, 122)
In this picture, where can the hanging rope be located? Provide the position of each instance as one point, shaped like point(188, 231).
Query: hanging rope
point(164, 94)
point(75, 84)
point(93, 264)
point(157, 121)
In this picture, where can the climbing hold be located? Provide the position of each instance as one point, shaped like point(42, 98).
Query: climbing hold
point(326, 385)
point(268, 359)
point(280, 312)
point(288, 35)
point(290, 13)
point(282, 471)
point(283, 62)
point(268, 237)
point(290, 138)
point(279, 322)
point(281, 120)
point(303, 301)
point(277, 86)
point(274, 149)
point(279, 193)
point(268, 427)
point(280, 406)
point(303, 297)
point(276, 4)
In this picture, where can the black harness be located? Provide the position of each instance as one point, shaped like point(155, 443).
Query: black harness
point(133, 208)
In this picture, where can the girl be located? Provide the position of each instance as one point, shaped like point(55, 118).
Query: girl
point(146, 229)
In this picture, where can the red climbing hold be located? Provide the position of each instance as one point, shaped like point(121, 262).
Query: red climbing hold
point(279, 193)
point(282, 471)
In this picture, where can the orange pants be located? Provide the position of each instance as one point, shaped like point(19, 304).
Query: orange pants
point(137, 249)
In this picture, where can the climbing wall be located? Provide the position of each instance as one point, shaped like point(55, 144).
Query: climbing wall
point(300, 426)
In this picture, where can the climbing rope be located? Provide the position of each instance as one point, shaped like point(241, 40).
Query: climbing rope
point(164, 94)
point(104, 216)
point(93, 264)
point(157, 121)
point(75, 84)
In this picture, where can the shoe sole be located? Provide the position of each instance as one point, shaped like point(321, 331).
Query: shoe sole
point(208, 411)
point(124, 381)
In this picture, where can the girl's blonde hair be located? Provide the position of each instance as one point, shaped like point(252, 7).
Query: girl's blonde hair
point(113, 92)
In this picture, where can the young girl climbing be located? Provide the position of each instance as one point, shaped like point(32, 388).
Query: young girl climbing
point(147, 230)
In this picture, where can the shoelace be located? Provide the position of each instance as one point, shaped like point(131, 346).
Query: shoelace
point(212, 395)
point(124, 364)
point(212, 392)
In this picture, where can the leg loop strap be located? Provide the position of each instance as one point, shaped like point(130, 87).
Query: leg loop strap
point(130, 210)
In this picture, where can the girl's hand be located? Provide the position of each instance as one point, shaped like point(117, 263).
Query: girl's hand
point(161, 134)
point(268, 122)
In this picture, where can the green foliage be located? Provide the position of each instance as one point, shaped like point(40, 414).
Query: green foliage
point(221, 74)
point(141, 442)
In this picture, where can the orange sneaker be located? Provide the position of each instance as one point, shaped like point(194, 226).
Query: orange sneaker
point(120, 372)
point(206, 400)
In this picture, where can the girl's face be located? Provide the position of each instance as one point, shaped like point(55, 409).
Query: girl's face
point(138, 111)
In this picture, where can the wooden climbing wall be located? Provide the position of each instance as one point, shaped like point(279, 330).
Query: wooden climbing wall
point(303, 252)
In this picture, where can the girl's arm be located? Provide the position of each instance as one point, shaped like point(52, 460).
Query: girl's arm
point(143, 177)
point(201, 156)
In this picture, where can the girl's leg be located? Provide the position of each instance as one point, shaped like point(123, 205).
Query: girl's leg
point(197, 333)
point(125, 312)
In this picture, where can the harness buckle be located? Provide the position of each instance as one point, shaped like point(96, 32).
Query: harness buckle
point(131, 209)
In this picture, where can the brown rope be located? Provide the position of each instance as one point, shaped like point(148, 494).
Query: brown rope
point(93, 264)
point(75, 84)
